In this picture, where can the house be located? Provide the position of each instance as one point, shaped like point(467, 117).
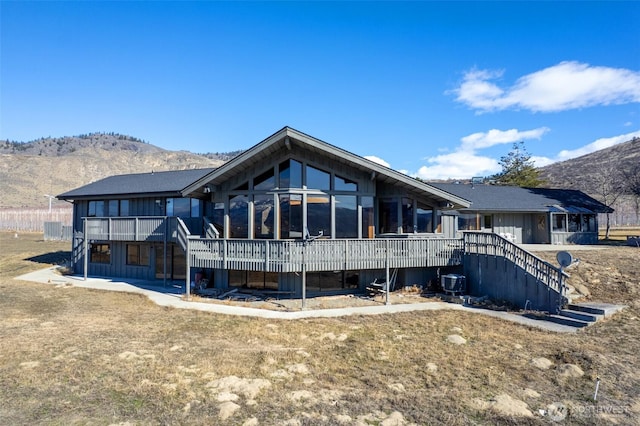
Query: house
point(291, 214)
point(528, 215)
point(295, 215)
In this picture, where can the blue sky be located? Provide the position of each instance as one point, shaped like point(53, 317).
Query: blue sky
point(437, 90)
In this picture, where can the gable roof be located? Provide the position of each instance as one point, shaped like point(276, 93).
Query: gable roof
point(287, 136)
point(494, 198)
point(169, 183)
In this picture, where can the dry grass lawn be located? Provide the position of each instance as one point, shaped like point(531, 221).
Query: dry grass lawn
point(76, 356)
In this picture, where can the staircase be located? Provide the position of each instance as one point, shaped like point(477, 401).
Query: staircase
point(581, 315)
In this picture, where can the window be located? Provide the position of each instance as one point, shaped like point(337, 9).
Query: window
point(265, 181)
point(291, 174)
point(574, 223)
point(346, 213)
point(332, 281)
point(263, 216)
point(112, 208)
point(238, 216)
point(124, 207)
point(217, 217)
point(407, 215)
point(368, 227)
point(138, 254)
point(100, 253)
point(290, 216)
point(179, 207)
point(425, 220)
point(559, 221)
point(388, 211)
point(318, 179)
point(468, 222)
point(319, 215)
point(196, 207)
point(96, 209)
point(343, 184)
point(589, 223)
point(487, 222)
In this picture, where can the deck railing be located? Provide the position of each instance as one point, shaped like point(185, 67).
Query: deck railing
point(483, 243)
point(323, 255)
point(139, 228)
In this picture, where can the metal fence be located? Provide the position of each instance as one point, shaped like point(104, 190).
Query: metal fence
point(57, 231)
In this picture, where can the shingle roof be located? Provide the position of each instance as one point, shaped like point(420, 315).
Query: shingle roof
point(138, 184)
point(516, 199)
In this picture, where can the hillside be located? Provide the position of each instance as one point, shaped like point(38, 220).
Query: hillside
point(30, 170)
point(576, 173)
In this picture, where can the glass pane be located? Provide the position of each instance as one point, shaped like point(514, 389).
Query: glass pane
point(196, 207)
point(290, 216)
point(488, 222)
point(96, 209)
point(243, 187)
point(290, 174)
point(318, 179)
point(559, 222)
point(343, 184)
point(574, 222)
point(468, 222)
point(124, 207)
point(265, 181)
point(238, 217)
point(169, 204)
point(263, 216)
point(346, 216)
point(144, 255)
point(319, 215)
point(100, 253)
point(425, 220)
point(407, 215)
point(217, 217)
point(237, 278)
point(133, 254)
point(112, 208)
point(262, 280)
point(182, 207)
point(388, 211)
point(589, 222)
point(368, 227)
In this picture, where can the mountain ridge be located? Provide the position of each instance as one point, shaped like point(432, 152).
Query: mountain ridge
point(49, 166)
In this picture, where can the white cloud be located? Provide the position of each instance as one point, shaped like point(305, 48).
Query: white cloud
point(465, 163)
point(458, 165)
point(567, 85)
point(597, 145)
point(377, 160)
point(541, 161)
point(496, 137)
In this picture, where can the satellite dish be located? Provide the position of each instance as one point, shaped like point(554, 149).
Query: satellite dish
point(564, 259)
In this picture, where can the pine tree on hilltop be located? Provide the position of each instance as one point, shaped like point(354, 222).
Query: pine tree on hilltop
point(518, 169)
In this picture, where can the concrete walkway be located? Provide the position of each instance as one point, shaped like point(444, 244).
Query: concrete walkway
point(171, 296)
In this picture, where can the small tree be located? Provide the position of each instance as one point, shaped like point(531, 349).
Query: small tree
point(518, 169)
point(632, 186)
point(607, 183)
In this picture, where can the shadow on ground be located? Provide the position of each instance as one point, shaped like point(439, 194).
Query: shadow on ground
point(55, 258)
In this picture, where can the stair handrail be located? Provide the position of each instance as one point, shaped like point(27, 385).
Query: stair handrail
point(210, 230)
point(493, 244)
point(183, 234)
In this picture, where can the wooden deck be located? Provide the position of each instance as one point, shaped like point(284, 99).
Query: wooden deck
point(323, 255)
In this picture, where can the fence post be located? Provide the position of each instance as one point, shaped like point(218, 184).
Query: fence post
point(85, 241)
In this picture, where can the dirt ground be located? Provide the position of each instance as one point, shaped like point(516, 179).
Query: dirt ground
point(73, 356)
